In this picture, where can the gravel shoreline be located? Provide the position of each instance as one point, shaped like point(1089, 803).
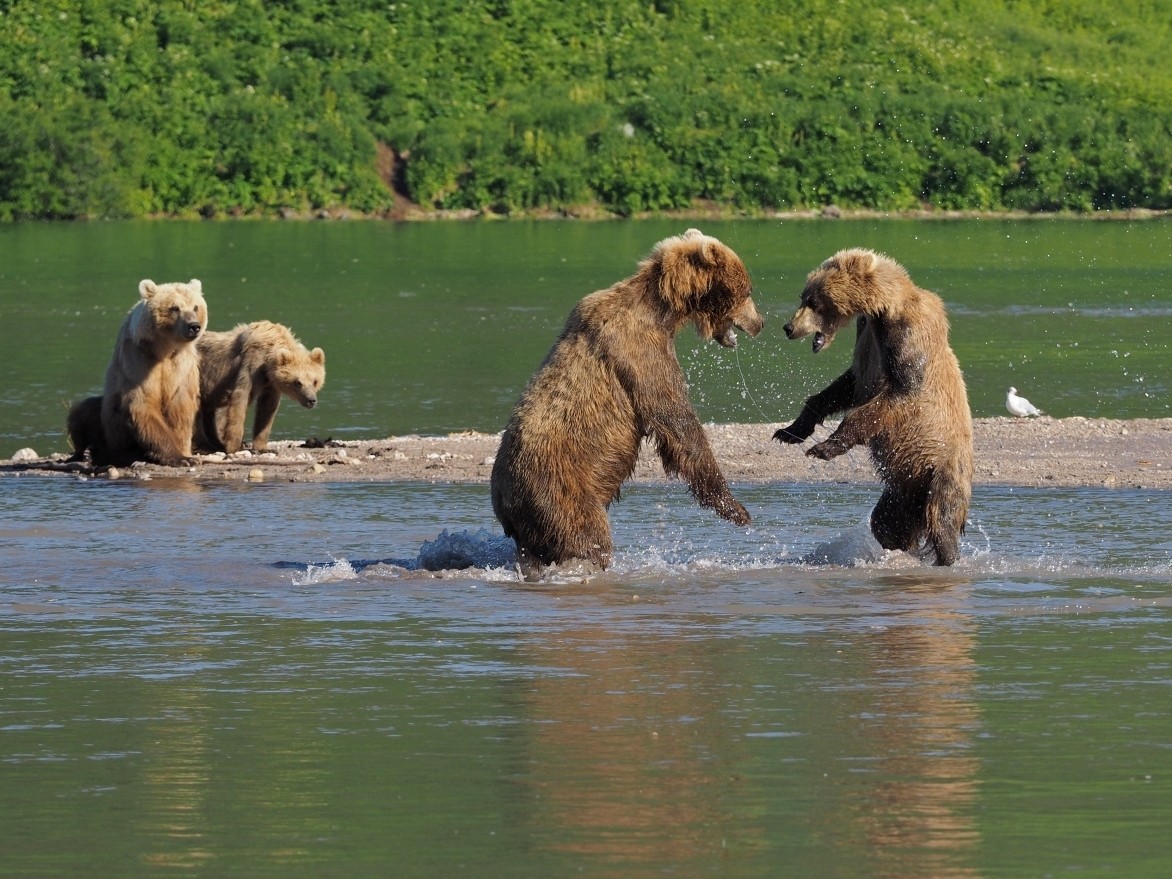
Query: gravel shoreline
point(1042, 451)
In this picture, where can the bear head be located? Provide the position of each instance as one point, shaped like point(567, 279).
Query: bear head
point(170, 314)
point(299, 373)
point(699, 279)
point(850, 283)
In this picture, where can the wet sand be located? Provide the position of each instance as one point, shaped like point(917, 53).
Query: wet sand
point(1009, 451)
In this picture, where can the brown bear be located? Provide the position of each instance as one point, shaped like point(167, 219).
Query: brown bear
point(904, 397)
point(151, 396)
point(83, 426)
point(252, 363)
point(611, 380)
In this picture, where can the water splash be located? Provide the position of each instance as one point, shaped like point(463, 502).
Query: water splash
point(674, 554)
point(478, 551)
point(332, 572)
point(852, 548)
point(467, 549)
point(745, 392)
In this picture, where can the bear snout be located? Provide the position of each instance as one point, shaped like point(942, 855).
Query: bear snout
point(789, 330)
point(191, 330)
point(309, 402)
point(749, 319)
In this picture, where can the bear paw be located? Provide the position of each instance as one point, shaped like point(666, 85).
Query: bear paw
point(826, 449)
point(795, 433)
point(733, 510)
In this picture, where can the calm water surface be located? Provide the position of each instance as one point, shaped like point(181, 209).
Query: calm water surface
point(430, 328)
point(226, 680)
point(253, 680)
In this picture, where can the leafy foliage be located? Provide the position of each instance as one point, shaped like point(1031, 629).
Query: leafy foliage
point(115, 108)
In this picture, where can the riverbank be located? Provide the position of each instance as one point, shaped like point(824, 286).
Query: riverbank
point(1036, 452)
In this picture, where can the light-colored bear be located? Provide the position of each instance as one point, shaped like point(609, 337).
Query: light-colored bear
point(151, 395)
point(252, 363)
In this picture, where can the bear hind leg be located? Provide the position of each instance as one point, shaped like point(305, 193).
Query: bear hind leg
point(583, 538)
point(945, 512)
point(897, 522)
point(589, 540)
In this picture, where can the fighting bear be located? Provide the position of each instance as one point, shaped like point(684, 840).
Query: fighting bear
point(904, 397)
point(611, 380)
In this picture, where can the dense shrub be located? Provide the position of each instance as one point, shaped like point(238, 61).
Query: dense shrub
point(133, 107)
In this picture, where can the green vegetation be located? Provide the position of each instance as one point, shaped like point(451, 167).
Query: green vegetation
point(116, 108)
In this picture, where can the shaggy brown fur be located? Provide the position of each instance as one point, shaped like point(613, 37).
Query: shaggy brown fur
point(151, 395)
point(252, 363)
point(612, 379)
point(905, 395)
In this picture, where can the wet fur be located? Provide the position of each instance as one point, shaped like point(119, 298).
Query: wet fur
point(611, 380)
point(904, 397)
point(252, 363)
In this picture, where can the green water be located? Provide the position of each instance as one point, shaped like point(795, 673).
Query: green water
point(181, 696)
point(175, 702)
point(161, 719)
point(430, 328)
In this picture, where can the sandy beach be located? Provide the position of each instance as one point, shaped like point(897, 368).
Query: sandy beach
point(1009, 451)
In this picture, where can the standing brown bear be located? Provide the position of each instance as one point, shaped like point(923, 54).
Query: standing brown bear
point(252, 363)
point(151, 396)
point(612, 379)
point(904, 396)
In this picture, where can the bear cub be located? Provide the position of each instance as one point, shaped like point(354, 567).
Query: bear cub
point(252, 363)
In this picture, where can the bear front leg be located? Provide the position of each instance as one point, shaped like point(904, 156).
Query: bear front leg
point(163, 442)
point(729, 508)
point(858, 428)
point(838, 395)
point(267, 403)
point(233, 414)
point(688, 455)
point(664, 413)
point(904, 362)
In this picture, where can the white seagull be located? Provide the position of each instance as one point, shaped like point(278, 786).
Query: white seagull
point(1020, 406)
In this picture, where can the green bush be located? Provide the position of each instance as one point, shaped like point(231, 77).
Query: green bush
point(145, 107)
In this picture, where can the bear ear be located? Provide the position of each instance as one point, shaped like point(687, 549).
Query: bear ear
point(858, 262)
point(684, 273)
point(317, 355)
point(693, 233)
point(147, 288)
point(708, 253)
point(195, 285)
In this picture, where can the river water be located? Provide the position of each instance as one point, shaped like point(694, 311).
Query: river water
point(256, 679)
point(435, 327)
